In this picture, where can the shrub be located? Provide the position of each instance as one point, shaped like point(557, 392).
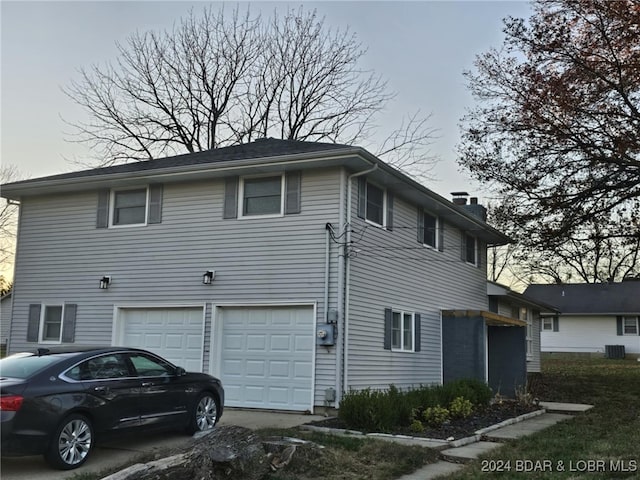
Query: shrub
point(460, 407)
point(416, 426)
point(476, 391)
point(435, 416)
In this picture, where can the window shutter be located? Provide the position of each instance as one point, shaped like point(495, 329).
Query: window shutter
point(417, 332)
point(463, 247)
point(230, 209)
point(33, 327)
point(420, 222)
point(440, 227)
point(619, 325)
point(69, 323)
point(479, 250)
point(362, 197)
point(556, 324)
point(387, 328)
point(102, 215)
point(389, 211)
point(155, 204)
point(292, 192)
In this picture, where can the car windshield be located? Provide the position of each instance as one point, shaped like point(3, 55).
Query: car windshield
point(24, 365)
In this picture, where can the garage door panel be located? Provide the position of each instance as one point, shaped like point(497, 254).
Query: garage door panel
point(173, 333)
point(266, 356)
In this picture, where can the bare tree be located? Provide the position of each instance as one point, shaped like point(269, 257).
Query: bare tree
point(8, 222)
point(223, 78)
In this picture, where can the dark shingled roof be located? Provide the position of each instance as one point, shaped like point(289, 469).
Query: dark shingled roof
point(590, 298)
point(262, 148)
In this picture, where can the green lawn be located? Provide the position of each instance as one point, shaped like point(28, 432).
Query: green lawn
point(603, 443)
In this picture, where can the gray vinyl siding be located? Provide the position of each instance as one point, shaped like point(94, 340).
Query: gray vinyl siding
point(5, 319)
point(389, 269)
point(62, 256)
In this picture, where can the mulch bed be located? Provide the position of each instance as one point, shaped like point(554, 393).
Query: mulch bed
point(456, 428)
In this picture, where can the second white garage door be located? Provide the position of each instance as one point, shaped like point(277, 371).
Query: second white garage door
point(266, 357)
point(173, 333)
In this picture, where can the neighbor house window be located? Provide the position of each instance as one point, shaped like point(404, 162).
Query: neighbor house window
point(129, 207)
point(430, 230)
point(262, 196)
point(471, 249)
point(547, 324)
point(402, 331)
point(630, 325)
point(52, 323)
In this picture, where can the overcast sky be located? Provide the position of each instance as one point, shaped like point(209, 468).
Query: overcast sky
point(422, 48)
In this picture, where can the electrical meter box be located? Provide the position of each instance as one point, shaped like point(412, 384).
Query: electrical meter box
point(325, 334)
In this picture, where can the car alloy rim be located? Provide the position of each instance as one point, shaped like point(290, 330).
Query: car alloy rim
point(206, 413)
point(74, 442)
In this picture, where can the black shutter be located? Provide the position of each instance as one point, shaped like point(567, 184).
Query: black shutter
point(417, 332)
point(69, 323)
point(362, 197)
point(440, 227)
point(479, 249)
point(102, 215)
point(389, 211)
point(556, 324)
point(155, 204)
point(388, 315)
point(292, 193)
point(420, 222)
point(619, 325)
point(230, 209)
point(33, 327)
point(463, 247)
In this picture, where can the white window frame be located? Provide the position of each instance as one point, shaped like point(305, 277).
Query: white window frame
point(476, 249)
point(112, 207)
point(43, 314)
point(241, 213)
point(624, 325)
point(436, 233)
point(525, 316)
point(402, 314)
point(384, 205)
point(547, 327)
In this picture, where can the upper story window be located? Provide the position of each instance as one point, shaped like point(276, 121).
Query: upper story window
point(262, 196)
point(273, 195)
point(470, 249)
point(375, 204)
point(129, 207)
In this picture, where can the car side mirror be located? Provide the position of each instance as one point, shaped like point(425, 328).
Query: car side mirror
point(180, 371)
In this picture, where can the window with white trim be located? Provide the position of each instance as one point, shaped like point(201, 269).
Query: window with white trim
point(525, 316)
point(430, 226)
point(129, 207)
point(402, 331)
point(375, 207)
point(471, 249)
point(262, 196)
point(630, 325)
point(547, 324)
point(51, 323)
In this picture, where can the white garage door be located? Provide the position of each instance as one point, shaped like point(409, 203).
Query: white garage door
point(173, 333)
point(267, 357)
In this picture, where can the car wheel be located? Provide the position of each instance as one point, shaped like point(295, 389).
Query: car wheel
point(205, 414)
point(72, 443)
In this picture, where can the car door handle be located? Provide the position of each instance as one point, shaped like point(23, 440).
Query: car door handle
point(147, 384)
point(100, 389)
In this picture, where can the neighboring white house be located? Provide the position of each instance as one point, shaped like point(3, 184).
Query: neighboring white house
point(592, 316)
point(294, 271)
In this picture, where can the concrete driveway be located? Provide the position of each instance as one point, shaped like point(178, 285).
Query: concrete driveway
point(124, 451)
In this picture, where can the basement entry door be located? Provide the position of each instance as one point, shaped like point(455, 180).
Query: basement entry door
point(173, 333)
point(267, 357)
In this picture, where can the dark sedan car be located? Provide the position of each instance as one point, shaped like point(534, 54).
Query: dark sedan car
point(56, 402)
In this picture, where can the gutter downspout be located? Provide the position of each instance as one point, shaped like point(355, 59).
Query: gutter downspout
point(344, 271)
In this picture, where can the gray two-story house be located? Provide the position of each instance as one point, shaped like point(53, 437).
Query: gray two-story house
point(293, 271)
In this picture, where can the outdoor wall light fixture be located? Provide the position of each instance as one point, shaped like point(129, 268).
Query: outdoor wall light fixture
point(105, 282)
point(208, 276)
